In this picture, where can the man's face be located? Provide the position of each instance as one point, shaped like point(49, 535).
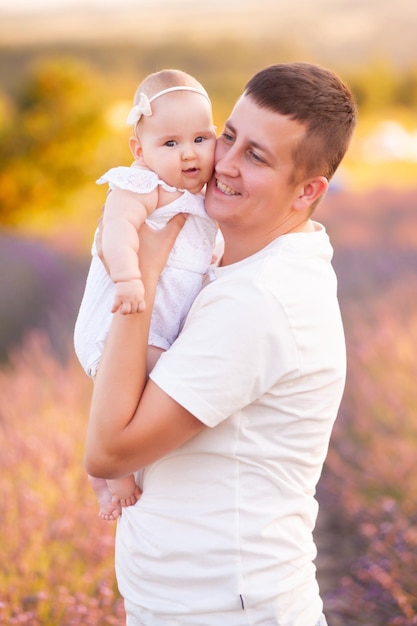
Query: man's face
point(251, 191)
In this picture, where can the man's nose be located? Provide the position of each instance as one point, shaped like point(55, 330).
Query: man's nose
point(226, 161)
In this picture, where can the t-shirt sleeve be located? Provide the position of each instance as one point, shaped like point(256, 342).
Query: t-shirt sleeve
point(232, 349)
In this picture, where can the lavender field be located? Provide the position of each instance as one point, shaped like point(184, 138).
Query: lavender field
point(57, 556)
point(368, 489)
point(68, 74)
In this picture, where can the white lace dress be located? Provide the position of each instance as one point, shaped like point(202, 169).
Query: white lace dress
point(179, 282)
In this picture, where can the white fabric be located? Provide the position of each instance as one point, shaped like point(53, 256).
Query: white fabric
point(179, 283)
point(143, 107)
point(134, 178)
point(226, 520)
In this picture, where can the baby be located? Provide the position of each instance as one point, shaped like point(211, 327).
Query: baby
point(173, 145)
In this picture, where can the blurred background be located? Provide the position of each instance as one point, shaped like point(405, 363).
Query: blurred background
point(68, 73)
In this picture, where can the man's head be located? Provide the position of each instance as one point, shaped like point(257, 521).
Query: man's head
point(320, 101)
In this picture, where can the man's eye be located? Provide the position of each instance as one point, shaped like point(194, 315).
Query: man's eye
point(256, 157)
point(227, 136)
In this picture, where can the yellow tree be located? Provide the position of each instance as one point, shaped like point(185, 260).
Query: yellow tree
point(49, 137)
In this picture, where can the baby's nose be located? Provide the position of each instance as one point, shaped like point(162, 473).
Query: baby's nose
point(188, 152)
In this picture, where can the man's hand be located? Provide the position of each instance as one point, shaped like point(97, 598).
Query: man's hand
point(155, 246)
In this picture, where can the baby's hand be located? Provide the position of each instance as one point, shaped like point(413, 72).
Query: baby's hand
point(129, 297)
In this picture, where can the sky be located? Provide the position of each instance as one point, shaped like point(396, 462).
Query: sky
point(45, 5)
point(350, 30)
point(40, 5)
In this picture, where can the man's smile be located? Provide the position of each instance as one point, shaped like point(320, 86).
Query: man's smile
point(226, 189)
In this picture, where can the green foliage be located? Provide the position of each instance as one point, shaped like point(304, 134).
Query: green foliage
point(48, 139)
point(379, 87)
point(55, 137)
point(407, 90)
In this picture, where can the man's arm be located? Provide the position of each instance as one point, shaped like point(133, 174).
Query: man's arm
point(132, 421)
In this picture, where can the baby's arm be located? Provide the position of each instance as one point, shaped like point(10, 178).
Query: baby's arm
point(124, 213)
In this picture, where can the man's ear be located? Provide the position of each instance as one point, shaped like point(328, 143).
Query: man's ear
point(136, 149)
point(311, 191)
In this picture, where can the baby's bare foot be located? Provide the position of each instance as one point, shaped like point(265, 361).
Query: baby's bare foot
point(132, 499)
point(110, 507)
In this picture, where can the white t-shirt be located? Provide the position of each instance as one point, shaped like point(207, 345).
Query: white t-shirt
point(222, 535)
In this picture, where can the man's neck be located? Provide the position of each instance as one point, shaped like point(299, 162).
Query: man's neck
point(238, 247)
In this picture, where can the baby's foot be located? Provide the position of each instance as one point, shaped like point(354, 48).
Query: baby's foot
point(110, 507)
point(132, 499)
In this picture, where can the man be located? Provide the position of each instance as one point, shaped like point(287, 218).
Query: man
point(232, 429)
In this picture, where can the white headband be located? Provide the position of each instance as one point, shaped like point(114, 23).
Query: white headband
point(144, 105)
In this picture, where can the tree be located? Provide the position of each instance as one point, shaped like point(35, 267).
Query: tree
point(49, 137)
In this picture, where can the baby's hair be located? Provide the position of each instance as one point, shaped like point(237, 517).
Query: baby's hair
point(165, 79)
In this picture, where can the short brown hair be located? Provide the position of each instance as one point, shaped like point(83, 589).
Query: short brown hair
point(317, 98)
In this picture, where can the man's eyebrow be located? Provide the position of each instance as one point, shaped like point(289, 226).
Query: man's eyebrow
point(230, 126)
point(252, 143)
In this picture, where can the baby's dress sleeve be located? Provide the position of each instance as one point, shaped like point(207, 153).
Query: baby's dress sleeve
point(136, 179)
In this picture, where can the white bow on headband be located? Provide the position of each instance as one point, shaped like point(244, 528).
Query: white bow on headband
point(143, 107)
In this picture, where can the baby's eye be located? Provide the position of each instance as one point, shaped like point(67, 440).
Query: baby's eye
point(171, 143)
point(199, 139)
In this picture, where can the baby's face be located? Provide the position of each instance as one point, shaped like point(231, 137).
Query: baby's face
point(178, 140)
